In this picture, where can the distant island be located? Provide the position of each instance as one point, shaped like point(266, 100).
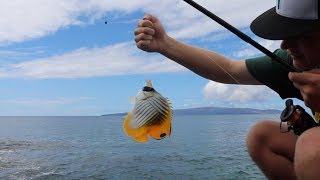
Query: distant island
point(214, 111)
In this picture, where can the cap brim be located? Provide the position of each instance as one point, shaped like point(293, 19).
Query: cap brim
point(271, 25)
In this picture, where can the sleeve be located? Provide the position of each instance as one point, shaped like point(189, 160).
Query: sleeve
point(273, 74)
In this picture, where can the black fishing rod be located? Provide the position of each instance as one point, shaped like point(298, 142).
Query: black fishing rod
point(242, 36)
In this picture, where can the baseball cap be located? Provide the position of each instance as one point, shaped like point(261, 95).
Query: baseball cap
point(288, 19)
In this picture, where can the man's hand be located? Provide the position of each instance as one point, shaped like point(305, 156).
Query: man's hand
point(150, 34)
point(309, 85)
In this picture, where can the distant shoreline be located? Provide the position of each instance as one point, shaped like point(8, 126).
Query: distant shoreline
point(214, 111)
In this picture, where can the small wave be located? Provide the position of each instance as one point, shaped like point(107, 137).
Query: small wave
point(6, 145)
point(46, 174)
point(5, 151)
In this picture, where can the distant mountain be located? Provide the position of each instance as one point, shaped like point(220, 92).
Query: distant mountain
point(222, 110)
point(215, 111)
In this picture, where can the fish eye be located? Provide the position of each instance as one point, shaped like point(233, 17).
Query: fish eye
point(148, 89)
point(163, 135)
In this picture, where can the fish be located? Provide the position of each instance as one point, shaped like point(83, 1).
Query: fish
point(151, 116)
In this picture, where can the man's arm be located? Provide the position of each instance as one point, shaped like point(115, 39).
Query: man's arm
point(150, 36)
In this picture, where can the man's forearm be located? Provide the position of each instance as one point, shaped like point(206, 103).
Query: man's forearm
point(205, 63)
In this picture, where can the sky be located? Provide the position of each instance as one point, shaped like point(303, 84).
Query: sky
point(59, 58)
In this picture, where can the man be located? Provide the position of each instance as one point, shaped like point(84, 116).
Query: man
point(296, 22)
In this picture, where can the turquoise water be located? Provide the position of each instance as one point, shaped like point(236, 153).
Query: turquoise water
point(200, 147)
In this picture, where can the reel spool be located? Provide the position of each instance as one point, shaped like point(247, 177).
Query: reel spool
point(296, 118)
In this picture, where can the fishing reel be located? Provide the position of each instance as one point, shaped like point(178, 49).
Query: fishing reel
point(296, 118)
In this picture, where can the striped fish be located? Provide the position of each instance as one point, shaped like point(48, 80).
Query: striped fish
point(151, 116)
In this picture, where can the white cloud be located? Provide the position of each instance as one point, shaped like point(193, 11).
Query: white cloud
point(62, 106)
point(250, 51)
point(118, 59)
point(22, 20)
point(19, 54)
point(236, 93)
point(191, 103)
point(186, 22)
point(46, 102)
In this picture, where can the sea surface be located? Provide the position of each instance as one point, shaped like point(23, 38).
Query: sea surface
point(200, 147)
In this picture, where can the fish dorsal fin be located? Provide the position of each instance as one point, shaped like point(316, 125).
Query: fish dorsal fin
point(132, 100)
point(148, 83)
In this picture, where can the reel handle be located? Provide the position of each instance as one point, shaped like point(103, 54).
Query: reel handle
point(288, 112)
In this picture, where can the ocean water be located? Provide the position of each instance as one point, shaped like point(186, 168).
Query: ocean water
point(200, 147)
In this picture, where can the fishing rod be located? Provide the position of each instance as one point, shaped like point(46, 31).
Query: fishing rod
point(241, 35)
point(296, 117)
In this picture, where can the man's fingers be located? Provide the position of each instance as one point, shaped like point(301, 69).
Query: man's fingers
point(145, 33)
point(303, 78)
point(147, 17)
point(150, 18)
point(142, 36)
point(145, 23)
point(143, 45)
point(144, 30)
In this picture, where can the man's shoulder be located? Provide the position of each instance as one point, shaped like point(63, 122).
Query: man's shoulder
point(283, 54)
point(266, 62)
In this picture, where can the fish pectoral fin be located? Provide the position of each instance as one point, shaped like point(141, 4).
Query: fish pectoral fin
point(126, 128)
point(131, 131)
point(132, 100)
point(139, 134)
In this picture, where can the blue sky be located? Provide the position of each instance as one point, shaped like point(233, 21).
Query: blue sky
point(58, 57)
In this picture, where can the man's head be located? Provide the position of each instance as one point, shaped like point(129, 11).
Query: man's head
point(297, 23)
point(304, 50)
point(288, 19)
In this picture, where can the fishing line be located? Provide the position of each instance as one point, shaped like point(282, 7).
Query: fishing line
point(233, 78)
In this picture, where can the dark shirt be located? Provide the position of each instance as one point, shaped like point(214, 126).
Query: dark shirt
point(273, 75)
